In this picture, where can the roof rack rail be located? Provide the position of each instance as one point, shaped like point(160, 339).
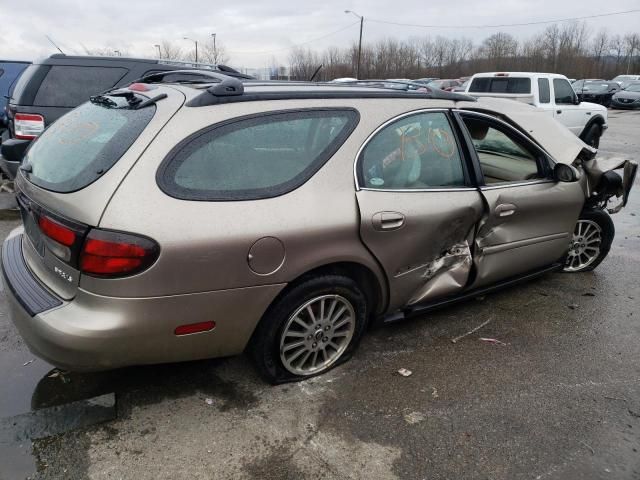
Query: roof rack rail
point(224, 85)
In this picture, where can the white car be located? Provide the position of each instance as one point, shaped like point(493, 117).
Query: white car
point(549, 92)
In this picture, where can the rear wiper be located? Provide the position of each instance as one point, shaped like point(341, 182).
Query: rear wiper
point(151, 101)
point(103, 100)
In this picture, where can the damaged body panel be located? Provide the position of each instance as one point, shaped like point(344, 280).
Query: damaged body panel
point(428, 255)
point(525, 227)
point(603, 183)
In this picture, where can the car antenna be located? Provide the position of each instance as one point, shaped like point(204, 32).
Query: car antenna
point(315, 73)
point(54, 44)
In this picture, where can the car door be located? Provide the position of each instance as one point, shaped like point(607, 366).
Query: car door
point(568, 110)
point(418, 206)
point(529, 217)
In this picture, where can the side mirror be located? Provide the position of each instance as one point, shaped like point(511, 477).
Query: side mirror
point(565, 173)
point(576, 100)
point(13, 149)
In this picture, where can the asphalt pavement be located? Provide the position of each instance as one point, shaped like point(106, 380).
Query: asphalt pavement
point(555, 394)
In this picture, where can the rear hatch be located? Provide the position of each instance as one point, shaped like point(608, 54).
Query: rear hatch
point(71, 172)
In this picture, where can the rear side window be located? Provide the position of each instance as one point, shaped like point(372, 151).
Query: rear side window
point(543, 90)
point(67, 86)
point(83, 144)
point(255, 157)
point(500, 85)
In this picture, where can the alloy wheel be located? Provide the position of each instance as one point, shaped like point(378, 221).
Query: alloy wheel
point(584, 247)
point(317, 334)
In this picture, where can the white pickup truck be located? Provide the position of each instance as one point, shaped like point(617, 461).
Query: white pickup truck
point(549, 92)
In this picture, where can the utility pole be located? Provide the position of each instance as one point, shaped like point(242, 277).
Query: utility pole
point(196, 42)
point(359, 42)
point(159, 52)
point(215, 50)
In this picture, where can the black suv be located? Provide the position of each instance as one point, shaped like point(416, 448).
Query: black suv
point(51, 87)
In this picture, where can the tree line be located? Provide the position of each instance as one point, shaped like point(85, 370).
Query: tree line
point(569, 48)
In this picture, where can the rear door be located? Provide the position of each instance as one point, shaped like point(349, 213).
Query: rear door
point(530, 217)
point(418, 206)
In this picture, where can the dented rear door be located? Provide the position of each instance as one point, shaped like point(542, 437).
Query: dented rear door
point(418, 209)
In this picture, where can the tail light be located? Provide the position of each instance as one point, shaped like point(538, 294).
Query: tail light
point(116, 254)
point(28, 126)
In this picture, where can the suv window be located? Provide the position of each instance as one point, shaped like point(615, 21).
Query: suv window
point(260, 156)
point(503, 158)
point(69, 86)
point(83, 144)
point(564, 93)
point(414, 152)
point(501, 85)
point(543, 90)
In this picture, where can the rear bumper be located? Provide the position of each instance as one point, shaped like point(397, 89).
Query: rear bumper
point(93, 332)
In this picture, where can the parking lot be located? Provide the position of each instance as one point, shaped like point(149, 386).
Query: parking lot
point(556, 395)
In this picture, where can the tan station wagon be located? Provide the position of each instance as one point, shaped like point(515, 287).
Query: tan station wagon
point(191, 216)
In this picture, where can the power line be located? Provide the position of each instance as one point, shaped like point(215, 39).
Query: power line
point(542, 22)
point(298, 44)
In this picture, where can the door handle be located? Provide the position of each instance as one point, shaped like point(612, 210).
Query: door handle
point(387, 221)
point(505, 209)
point(558, 111)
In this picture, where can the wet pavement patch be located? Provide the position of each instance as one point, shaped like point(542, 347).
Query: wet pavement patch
point(39, 401)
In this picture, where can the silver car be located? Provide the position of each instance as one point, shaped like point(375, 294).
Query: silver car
point(191, 216)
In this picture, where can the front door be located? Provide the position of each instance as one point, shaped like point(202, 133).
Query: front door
point(418, 207)
point(568, 110)
point(530, 217)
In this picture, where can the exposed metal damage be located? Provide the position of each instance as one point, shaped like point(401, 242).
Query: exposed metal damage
point(446, 274)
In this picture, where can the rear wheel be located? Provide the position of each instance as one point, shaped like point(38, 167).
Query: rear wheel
point(592, 137)
point(313, 327)
point(591, 241)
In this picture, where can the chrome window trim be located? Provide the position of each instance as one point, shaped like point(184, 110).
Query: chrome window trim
point(381, 127)
point(412, 190)
point(516, 184)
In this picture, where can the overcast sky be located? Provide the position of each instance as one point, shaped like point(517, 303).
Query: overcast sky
point(254, 31)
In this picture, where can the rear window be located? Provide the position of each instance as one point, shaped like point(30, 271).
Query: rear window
point(69, 86)
point(83, 144)
point(500, 85)
point(261, 156)
point(21, 84)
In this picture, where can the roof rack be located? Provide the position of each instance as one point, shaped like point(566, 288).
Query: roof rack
point(224, 85)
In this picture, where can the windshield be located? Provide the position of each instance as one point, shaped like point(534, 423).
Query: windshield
point(633, 88)
point(85, 143)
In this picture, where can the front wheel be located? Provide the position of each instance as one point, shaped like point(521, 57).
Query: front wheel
point(591, 241)
point(310, 329)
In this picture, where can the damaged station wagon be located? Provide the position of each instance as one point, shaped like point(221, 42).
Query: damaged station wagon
point(191, 215)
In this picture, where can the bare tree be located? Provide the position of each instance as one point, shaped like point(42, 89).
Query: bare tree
point(171, 51)
point(212, 52)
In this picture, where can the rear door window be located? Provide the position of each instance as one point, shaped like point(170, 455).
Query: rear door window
point(500, 85)
point(85, 143)
point(69, 86)
point(261, 156)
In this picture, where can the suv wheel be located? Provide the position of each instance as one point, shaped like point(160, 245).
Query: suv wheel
point(591, 241)
point(592, 137)
point(312, 328)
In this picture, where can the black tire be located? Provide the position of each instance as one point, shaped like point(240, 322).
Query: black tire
point(592, 137)
point(264, 347)
point(608, 232)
